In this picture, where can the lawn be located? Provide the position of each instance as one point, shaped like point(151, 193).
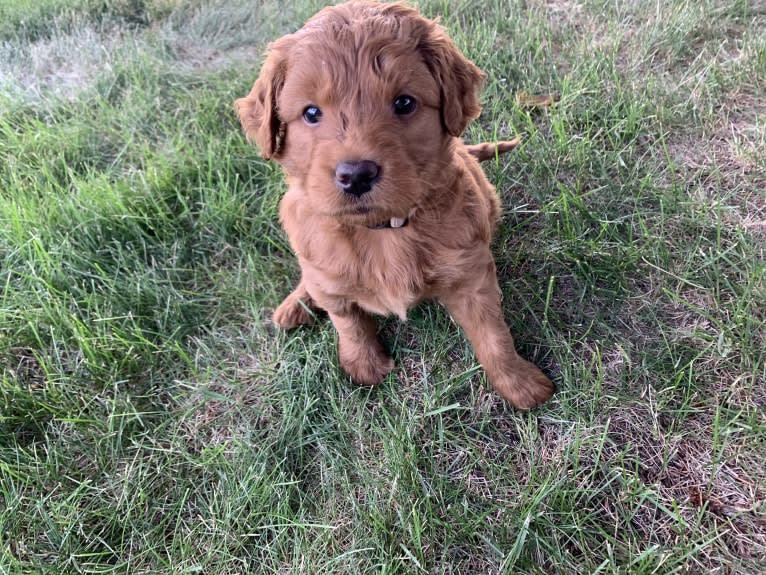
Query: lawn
point(153, 421)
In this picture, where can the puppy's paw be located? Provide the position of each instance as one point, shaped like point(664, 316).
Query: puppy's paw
point(292, 312)
point(365, 364)
point(523, 384)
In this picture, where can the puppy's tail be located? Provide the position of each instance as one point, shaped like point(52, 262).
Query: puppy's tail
point(489, 150)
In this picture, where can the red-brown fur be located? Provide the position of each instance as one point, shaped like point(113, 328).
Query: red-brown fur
point(352, 61)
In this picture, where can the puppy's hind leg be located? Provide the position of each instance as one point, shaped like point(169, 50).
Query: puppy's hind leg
point(296, 309)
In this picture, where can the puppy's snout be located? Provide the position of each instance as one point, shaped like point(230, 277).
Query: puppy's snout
point(356, 178)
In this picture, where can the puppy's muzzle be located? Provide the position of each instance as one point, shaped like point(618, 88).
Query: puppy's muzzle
point(356, 178)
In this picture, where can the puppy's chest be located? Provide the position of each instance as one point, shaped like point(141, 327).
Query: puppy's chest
point(383, 271)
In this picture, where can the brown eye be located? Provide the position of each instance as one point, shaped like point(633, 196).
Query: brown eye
point(312, 115)
point(404, 105)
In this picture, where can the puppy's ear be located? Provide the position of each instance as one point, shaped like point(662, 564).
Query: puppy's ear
point(258, 111)
point(459, 79)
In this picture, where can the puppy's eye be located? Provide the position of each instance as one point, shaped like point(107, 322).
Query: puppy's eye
point(312, 115)
point(404, 105)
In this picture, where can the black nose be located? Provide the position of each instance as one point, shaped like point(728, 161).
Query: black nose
point(356, 178)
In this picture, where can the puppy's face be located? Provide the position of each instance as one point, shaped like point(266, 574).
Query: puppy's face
point(360, 108)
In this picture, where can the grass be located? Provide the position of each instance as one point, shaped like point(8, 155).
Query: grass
point(152, 422)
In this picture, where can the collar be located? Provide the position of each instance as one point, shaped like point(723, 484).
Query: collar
point(392, 223)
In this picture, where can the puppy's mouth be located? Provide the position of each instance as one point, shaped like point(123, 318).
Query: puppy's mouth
point(370, 217)
point(355, 206)
point(367, 210)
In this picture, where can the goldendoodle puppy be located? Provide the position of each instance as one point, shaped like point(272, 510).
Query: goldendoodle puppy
point(363, 108)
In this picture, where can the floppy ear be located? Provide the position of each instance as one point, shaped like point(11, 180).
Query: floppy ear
point(459, 79)
point(258, 111)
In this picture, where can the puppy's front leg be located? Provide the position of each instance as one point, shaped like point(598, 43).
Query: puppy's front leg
point(361, 354)
point(476, 307)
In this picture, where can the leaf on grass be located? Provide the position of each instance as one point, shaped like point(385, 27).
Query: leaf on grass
point(531, 101)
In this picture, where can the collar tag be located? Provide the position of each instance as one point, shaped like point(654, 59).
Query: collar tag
point(393, 223)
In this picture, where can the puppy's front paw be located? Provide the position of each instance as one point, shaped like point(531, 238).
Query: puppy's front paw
point(292, 312)
point(523, 384)
point(365, 364)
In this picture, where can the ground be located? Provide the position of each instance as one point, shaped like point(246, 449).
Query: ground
point(153, 421)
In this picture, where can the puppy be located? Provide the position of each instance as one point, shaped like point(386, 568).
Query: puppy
point(363, 108)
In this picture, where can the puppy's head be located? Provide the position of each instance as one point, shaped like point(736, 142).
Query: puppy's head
point(360, 107)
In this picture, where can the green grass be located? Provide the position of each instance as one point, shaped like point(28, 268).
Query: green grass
point(151, 421)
